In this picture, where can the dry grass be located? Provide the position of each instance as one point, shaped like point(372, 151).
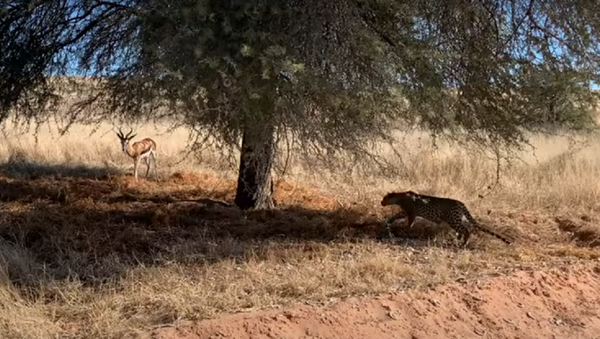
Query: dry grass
point(85, 252)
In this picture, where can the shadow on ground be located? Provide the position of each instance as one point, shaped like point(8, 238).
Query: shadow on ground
point(96, 229)
point(17, 168)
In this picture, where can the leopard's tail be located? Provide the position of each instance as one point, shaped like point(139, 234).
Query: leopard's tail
point(490, 232)
point(499, 236)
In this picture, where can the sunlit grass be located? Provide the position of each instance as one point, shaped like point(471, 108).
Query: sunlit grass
point(85, 251)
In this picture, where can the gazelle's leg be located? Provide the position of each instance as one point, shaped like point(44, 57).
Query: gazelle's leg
point(135, 168)
point(154, 161)
point(147, 159)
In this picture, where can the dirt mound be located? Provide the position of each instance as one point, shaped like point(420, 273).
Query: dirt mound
point(560, 303)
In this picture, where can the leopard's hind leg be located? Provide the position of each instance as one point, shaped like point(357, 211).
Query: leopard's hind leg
point(462, 231)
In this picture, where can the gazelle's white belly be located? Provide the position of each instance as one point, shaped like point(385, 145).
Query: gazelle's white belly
point(145, 155)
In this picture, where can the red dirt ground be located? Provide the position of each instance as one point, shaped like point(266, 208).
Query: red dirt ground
point(560, 303)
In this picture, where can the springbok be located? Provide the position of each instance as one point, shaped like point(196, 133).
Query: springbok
point(138, 150)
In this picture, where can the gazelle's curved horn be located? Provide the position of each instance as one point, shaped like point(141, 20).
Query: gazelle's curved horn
point(130, 131)
point(120, 134)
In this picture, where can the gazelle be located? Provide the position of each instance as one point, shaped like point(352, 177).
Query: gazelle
point(139, 150)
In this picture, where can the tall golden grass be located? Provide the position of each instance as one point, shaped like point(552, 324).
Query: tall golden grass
point(557, 170)
point(109, 261)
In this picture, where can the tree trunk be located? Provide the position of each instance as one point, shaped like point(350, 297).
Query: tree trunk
point(255, 184)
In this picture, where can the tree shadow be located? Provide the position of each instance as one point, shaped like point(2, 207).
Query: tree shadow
point(26, 182)
point(16, 168)
point(98, 230)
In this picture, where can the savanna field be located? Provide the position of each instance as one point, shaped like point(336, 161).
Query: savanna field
point(87, 252)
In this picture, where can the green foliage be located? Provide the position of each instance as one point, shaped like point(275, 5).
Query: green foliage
point(329, 75)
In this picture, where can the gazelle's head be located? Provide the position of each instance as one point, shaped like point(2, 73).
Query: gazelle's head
point(125, 139)
point(394, 198)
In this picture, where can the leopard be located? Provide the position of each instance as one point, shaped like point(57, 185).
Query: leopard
point(438, 210)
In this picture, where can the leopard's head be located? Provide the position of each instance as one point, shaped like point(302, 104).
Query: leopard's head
point(394, 198)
